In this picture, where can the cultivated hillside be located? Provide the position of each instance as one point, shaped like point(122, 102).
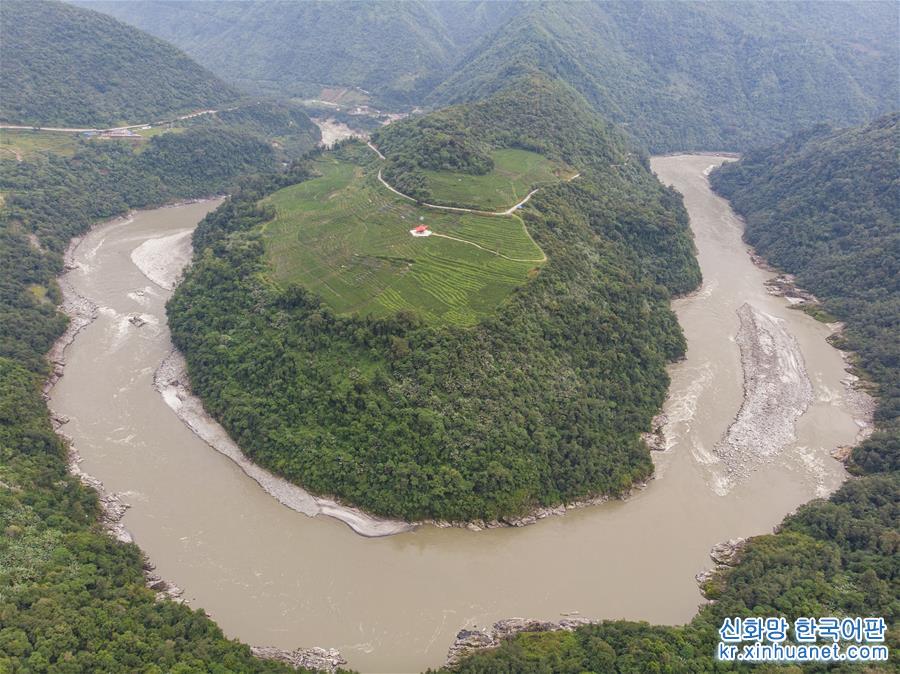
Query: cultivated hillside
point(433, 377)
point(67, 66)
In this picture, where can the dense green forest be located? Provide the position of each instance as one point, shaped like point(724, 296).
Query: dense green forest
point(396, 50)
point(699, 76)
point(824, 205)
point(675, 75)
point(73, 599)
point(68, 66)
point(285, 126)
point(540, 403)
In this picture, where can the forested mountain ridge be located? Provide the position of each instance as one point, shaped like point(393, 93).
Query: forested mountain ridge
point(397, 50)
point(68, 66)
point(825, 205)
point(541, 402)
point(675, 75)
point(689, 76)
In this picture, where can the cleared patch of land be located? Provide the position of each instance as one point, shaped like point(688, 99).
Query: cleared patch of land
point(23, 144)
point(515, 174)
point(346, 237)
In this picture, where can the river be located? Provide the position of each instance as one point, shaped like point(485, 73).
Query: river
point(272, 576)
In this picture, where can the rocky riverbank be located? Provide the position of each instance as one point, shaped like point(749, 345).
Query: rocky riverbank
point(80, 310)
point(857, 390)
point(471, 641)
point(172, 382)
point(725, 555)
point(319, 659)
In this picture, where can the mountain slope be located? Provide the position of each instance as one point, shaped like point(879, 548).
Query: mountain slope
point(683, 76)
point(395, 49)
point(68, 66)
point(676, 75)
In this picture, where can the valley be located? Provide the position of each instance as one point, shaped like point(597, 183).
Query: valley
point(445, 335)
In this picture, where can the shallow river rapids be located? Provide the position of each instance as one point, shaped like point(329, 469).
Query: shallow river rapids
point(273, 576)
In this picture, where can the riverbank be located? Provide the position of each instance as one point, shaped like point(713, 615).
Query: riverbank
point(161, 263)
point(171, 381)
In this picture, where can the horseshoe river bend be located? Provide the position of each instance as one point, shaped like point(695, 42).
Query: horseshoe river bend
point(753, 414)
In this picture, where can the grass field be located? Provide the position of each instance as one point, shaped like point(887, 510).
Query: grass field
point(24, 144)
point(515, 174)
point(346, 237)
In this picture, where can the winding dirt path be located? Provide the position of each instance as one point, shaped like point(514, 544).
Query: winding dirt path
point(509, 211)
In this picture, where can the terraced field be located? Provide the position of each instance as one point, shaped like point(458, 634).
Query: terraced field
point(347, 238)
point(515, 174)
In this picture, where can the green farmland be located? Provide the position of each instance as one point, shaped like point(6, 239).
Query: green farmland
point(515, 174)
point(346, 237)
point(25, 144)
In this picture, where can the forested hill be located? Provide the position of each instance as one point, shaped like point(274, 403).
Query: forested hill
point(398, 50)
point(676, 75)
point(541, 401)
point(695, 75)
point(68, 66)
point(825, 205)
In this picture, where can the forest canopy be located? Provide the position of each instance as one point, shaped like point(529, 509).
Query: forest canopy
point(68, 66)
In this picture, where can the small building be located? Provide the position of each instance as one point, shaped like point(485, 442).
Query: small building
point(421, 230)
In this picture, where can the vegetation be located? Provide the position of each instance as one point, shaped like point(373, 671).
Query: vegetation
point(71, 598)
point(285, 126)
point(514, 174)
point(21, 144)
point(699, 76)
point(676, 75)
point(823, 205)
point(539, 402)
point(346, 237)
point(395, 50)
point(67, 66)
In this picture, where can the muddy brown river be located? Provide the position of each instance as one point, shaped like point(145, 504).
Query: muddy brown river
point(273, 576)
